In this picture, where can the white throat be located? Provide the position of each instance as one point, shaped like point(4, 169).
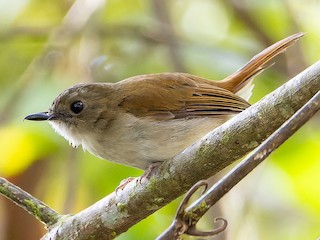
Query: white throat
point(66, 132)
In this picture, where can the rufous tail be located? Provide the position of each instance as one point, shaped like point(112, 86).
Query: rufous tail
point(256, 65)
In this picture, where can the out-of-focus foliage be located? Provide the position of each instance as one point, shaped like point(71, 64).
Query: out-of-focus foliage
point(47, 46)
point(20, 148)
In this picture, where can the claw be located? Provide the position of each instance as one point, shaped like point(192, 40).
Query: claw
point(124, 183)
point(146, 175)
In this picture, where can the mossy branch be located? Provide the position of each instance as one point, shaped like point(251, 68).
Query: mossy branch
point(119, 211)
point(38, 209)
point(116, 213)
point(187, 217)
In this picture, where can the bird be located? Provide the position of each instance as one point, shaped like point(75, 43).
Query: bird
point(148, 119)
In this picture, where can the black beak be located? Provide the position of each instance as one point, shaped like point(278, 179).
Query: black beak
point(41, 116)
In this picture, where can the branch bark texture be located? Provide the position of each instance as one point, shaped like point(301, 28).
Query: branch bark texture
point(29, 203)
point(187, 217)
point(119, 211)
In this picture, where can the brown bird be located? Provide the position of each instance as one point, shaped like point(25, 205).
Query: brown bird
point(151, 118)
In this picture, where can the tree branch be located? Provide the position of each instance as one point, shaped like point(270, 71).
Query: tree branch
point(187, 218)
point(41, 211)
point(119, 211)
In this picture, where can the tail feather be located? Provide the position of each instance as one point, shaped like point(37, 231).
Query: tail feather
point(256, 65)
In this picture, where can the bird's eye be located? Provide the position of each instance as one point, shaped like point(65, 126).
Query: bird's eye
point(76, 107)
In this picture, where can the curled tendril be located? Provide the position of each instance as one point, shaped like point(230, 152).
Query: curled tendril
point(185, 226)
point(197, 233)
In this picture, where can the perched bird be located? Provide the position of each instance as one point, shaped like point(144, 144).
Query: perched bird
point(151, 118)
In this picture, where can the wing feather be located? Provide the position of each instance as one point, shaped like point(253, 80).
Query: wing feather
point(171, 96)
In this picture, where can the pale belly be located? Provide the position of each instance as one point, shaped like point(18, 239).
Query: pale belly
point(140, 142)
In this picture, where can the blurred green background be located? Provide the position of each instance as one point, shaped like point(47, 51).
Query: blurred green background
point(47, 46)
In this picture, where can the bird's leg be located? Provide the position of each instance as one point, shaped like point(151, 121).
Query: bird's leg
point(124, 183)
point(149, 171)
point(146, 175)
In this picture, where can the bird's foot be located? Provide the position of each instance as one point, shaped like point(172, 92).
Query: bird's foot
point(125, 182)
point(149, 171)
point(145, 176)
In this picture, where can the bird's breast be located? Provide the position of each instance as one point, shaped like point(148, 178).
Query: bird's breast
point(138, 142)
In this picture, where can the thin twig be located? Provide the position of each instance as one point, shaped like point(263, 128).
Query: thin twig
point(29, 203)
point(115, 213)
point(180, 226)
point(186, 219)
point(217, 191)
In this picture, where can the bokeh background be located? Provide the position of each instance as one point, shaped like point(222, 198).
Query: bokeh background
point(49, 45)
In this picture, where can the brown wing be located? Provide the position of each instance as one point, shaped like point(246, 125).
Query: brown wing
point(175, 95)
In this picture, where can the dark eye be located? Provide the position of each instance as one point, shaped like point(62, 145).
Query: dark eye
point(76, 107)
